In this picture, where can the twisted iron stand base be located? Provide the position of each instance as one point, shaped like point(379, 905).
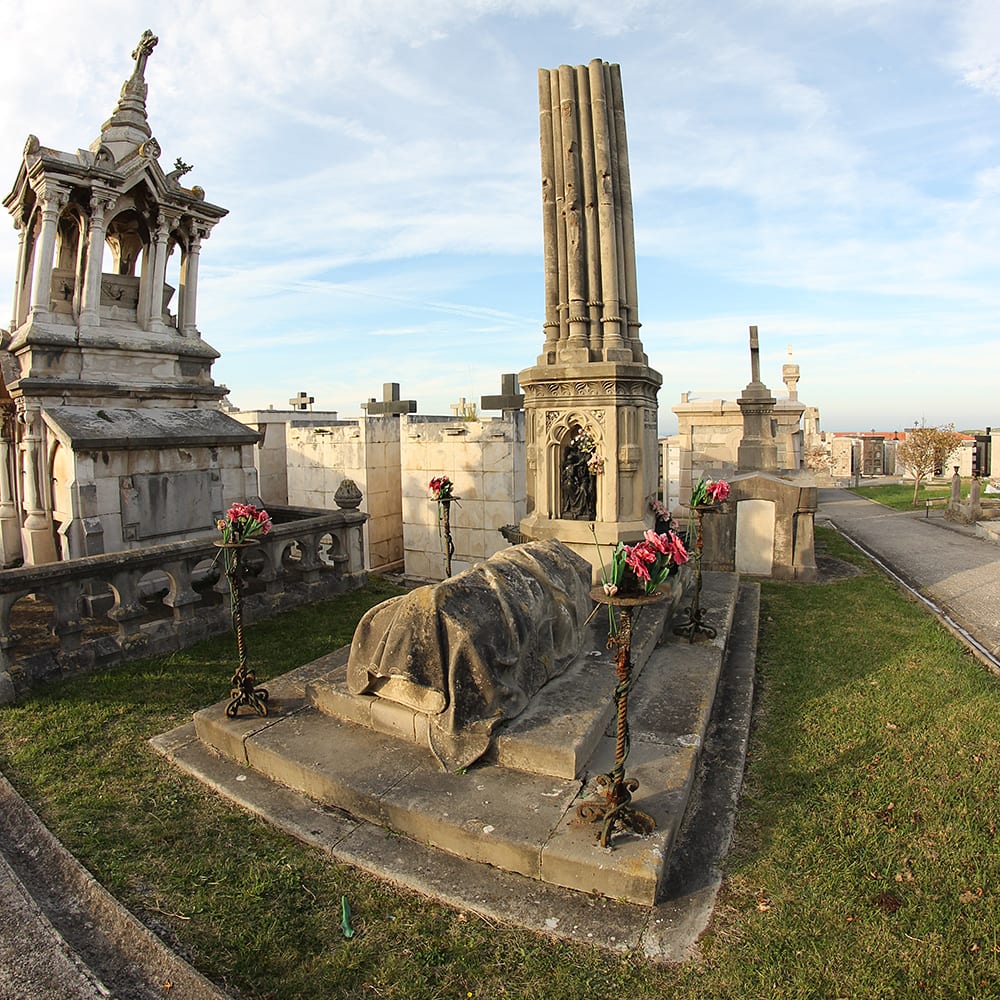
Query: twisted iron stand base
point(616, 812)
point(243, 683)
point(694, 622)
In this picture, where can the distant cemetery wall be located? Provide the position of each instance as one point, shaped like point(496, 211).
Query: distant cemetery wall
point(366, 450)
point(485, 459)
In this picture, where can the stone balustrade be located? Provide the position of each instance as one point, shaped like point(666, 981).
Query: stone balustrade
point(84, 614)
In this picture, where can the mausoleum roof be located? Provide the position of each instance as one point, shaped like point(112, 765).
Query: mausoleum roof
point(92, 427)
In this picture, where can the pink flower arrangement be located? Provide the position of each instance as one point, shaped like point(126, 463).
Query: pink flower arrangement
point(646, 564)
point(442, 487)
point(243, 521)
point(709, 491)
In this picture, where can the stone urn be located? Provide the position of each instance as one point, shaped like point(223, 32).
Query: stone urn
point(348, 496)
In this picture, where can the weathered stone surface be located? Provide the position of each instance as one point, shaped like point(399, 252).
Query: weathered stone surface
point(472, 650)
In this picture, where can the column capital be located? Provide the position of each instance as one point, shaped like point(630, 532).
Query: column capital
point(52, 196)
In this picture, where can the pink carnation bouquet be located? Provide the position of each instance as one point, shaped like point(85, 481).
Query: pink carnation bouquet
point(442, 487)
point(709, 491)
point(243, 521)
point(643, 567)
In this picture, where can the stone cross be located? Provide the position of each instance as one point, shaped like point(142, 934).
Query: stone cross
point(301, 402)
point(142, 52)
point(754, 355)
point(510, 398)
point(391, 404)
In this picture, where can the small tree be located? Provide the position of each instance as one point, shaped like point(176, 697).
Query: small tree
point(925, 450)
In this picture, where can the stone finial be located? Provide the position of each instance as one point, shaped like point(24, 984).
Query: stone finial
point(128, 128)
point(142, 52)
point(790, 376)
point(348, 495)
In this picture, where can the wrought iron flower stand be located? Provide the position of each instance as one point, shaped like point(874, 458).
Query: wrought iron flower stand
point(243, 684)
point(616, 812)
point(444, 522)
point(694, 624)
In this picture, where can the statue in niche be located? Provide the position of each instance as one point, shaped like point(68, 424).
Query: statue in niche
point(579, 484)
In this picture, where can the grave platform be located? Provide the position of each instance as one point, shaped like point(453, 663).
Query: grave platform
point(516, 812)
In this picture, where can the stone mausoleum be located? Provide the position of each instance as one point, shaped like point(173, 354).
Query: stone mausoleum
point(112, 433)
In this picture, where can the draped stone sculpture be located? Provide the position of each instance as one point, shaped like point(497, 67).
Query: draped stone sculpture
point(472, 650)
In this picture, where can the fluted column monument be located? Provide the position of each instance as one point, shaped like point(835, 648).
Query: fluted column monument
point(590, 400)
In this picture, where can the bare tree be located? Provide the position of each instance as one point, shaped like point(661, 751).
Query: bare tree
point(925, 450)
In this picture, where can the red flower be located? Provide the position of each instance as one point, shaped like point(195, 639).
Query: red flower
point(718, 491)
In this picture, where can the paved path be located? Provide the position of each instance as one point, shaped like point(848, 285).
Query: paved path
point(957, 571)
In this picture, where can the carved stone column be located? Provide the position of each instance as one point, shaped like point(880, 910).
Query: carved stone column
point(10, 529)
point(189, 285)
point(52, 201)
point(161, 236)
point(20, 289)
point(90, 311)
point(36, 533)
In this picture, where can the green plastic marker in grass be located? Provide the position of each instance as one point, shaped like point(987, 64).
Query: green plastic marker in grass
point(345, 918)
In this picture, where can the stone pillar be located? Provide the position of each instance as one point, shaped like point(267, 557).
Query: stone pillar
point(20, 285)
point(52, 200)
point(189, 286)
point(550, 238)
point(159, 275)
point(10, 529)
point(591, 234)
point(36, 533)
point(90, 312)
point(955, 500)
point(579, 344)
point(611, 318)
point(623, 205)
point(975, 501)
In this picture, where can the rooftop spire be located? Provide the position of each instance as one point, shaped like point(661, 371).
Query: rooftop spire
point(128, 127)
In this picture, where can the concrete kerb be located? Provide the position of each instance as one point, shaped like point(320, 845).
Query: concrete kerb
point(912, 588)
point(63, 903)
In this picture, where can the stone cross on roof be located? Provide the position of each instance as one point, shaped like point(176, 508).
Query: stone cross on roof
point(391, 404)
point(301, 402)
point(510, 398)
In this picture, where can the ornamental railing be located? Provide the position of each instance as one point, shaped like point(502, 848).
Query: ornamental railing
point(83, 614)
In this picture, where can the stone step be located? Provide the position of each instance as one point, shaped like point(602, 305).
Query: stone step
point(517, 818)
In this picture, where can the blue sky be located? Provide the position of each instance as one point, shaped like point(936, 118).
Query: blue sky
point(828, 170)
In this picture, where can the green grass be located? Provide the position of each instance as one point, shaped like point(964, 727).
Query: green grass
point(899, 496)
point(865, 863)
